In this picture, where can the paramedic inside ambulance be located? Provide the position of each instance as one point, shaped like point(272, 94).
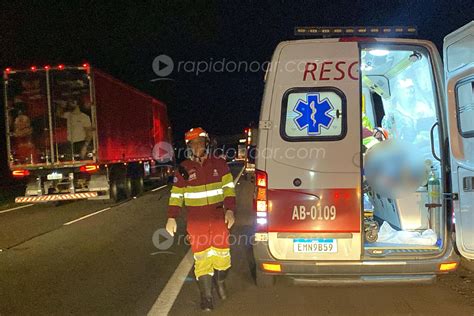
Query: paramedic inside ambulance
point(380, 134)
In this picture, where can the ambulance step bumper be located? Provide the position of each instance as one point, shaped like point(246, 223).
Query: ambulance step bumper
point(369, 279)
point(55, 197)
point(366, 270)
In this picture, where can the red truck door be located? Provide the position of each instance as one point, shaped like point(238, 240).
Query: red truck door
point(27, 120)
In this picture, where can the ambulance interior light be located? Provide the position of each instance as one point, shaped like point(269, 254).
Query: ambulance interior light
point(378, 52)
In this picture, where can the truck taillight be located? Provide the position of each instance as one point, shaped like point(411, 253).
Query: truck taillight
point(20, 173)
point(89, 168)
point(260, 199)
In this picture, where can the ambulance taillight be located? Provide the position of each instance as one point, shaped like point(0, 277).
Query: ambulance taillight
point(260, 199)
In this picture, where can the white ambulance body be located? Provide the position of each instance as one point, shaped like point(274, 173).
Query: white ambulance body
point(323, 100)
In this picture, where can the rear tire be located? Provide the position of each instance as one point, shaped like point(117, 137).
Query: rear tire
point(138, 186)
point(114, 192)
point(263, 280)
point(128, 187)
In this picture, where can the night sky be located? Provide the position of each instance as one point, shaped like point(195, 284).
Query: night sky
point(123, 40)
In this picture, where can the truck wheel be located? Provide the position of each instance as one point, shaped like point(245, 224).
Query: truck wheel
point(163, 176)
point(138, 186)
point(114, 191)
point(128, 187)
point(263, 280)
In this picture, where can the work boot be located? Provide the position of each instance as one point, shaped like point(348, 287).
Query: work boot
point(205, 287)
point(219, 278)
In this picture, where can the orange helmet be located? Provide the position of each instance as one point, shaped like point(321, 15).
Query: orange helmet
point(194, 133)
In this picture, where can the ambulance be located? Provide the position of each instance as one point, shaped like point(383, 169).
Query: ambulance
point(365, 163)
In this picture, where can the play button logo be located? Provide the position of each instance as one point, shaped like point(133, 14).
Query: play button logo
point(163, 152)
point(163, 65)
point(162, 239)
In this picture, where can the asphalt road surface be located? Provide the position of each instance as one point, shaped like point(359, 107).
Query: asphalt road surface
point(90, 258)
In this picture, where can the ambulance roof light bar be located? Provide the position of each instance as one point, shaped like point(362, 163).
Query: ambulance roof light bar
point(372, 31)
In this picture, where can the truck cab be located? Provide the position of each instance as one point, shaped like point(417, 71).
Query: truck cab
point(365, 157)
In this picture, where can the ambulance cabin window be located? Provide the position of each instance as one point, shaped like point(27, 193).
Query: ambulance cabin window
point(465, 107)
point(313, 114)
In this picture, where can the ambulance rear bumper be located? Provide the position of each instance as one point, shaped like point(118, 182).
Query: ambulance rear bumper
point(384, 270)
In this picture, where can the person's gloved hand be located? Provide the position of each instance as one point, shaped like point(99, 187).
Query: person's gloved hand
point(171, 226)
point(229, 218)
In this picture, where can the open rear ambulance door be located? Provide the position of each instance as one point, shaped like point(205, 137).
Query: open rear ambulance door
point(459, 71)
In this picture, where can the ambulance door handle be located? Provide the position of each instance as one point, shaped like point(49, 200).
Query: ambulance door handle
point(433, 151)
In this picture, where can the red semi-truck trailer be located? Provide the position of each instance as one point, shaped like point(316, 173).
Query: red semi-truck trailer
point(78, 133)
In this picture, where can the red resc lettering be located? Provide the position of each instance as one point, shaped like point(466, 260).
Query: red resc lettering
point(325, 69)
point(331, 70)
point(309, 68)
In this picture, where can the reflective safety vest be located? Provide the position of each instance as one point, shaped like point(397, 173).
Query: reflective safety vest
point(206, 191)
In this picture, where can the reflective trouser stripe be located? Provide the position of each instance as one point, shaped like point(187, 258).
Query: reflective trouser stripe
point(205, 262)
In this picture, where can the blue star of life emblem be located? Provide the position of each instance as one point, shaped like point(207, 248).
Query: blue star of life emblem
point(313, 114)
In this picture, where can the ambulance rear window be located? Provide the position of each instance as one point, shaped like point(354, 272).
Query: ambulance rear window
point(465, 107)
point(310, 114)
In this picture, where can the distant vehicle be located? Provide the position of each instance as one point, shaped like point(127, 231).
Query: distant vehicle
point(251, 143)
point(369, 153)
point(78, 133)
point(241, 152)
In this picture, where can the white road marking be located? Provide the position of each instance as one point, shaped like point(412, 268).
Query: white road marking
point(159, 188)
point(87, 216)
point(16, 208)
point(98, 212)
point(167, 297)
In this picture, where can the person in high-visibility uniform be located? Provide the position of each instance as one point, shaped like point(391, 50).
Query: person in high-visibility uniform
point(205, 186)
point(371, 139)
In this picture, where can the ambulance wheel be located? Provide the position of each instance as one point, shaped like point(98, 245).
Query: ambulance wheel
point(138, 186)
point(128, 187)
point(263, 280)
point(114, 191)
